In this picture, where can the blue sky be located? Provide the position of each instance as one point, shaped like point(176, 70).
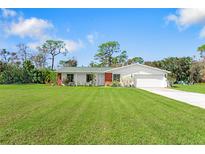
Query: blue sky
point(150, 33)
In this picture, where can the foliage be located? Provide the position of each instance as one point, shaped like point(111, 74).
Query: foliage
point(94, 64)
point(106, 52)
point(9, 57)
point(51, 78)
point(110, 55)
point(171, 79)
point(4, 55)
point(115, 84)
point(44, 76)
point(66, 81)
point(39, 59)
point(179, 67)
point(69, 63)
point(2, 66)
point(201, 49)
point(11, 74)
point(23, 51)
point(53, 48)
point(197, 72)
point(28, 69)
point(134, 60)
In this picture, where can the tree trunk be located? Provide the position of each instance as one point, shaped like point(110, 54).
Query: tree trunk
point(52, 62)
point(110, 61)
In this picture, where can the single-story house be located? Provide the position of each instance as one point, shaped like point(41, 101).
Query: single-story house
point(136, 75)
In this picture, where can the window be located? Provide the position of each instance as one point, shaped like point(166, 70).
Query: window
point(70, 77)
point(116, 77)
point(89, 77)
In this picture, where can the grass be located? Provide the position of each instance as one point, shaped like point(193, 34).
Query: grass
point(40, 114)
point(199, 88)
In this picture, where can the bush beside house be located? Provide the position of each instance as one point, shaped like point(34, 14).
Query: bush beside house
point(27, 73)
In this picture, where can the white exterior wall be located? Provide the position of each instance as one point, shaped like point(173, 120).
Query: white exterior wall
point(140, 76)
point(64, 76)
point(100, 79)
point(80, 78)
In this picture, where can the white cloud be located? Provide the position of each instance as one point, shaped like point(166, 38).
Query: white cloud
point(188, 17)
point(72, 45)
point(8, 13)
point(92, 37)
point(185, 18)
point(34, 45)
point(202, 33)
point(33, 27)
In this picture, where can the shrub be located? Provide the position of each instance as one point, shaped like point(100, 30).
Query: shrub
point(51, 78)
point(66, 81)
point(115, 84)
point(171, 79)
point(28, 70)
point(11, 74)
point(197, 72)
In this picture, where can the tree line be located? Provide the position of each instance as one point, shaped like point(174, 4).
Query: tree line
point(187, 70)
point(25, 66)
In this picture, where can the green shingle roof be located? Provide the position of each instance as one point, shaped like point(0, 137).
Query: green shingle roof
point(83, 69)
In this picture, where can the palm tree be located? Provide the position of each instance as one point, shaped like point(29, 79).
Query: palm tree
point(201, 49)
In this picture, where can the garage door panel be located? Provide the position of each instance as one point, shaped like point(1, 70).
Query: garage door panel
point(150, 81)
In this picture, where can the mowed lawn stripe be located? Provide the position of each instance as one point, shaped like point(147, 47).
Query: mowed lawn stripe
point(44, 116)
point(96, 115)
point(198, 87)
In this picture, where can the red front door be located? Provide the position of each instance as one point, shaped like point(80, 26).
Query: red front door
point(108, 78)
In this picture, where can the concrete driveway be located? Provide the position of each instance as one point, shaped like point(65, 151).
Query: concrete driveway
point(192, 98)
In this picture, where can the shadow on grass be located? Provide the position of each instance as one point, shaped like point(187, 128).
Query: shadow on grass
point(174, 86)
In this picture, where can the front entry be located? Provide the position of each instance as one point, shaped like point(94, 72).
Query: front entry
point(108, 79)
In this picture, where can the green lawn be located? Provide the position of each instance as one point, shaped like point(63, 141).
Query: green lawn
point(199, 88)
point(40, 114)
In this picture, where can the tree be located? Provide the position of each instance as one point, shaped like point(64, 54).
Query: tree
point(135, 60)
point(69, 63)
point(2, 66)
point(94, 64)
point(53, 48)
point(5, 55)
point(9, 57)
point(179, 67)
point(106, 51)
point(201, 49)
point(28, 69)
point(120, 59)
point(123, 57)
point(39, 59)
point(197, 72)
point(23, 51)
point(14, 58)
point(12, 73)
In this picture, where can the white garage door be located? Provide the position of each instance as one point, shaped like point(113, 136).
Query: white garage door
point(150, 80)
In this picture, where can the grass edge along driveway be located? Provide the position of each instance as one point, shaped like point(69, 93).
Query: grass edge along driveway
point(198, 88)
